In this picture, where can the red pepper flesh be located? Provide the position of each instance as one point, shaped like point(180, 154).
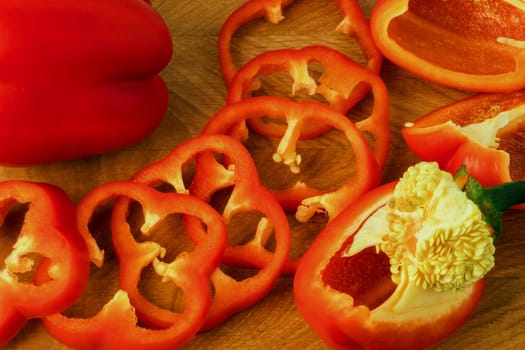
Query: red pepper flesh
point(341, 297)
point(116, 325)
point(231, 296)
point(471, 45)
point(49, 231)
point(433, 138)
point(354, 24)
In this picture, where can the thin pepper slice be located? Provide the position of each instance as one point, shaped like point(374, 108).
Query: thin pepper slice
point(230, 296)
point(484, 132)
point(305, 200)
point(466, 44)
point(342, 83)
point(354, 24)
point(402, 268)
point(49, 240)
point(115, 326)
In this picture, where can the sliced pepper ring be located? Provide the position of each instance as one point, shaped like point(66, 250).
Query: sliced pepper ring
point(466, 44)
point(484, 132)
point(361, 307)
point(342, 83)
point(354, 23)
point(49, 231)
point(115, 326)
point(231, 296)
point(305, 200)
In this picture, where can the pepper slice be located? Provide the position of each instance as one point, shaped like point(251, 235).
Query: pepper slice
point(230, 295)
point(49, 240)
point(402, 268)
point(472, 45)
point(342, 83)
point(354, 24)
point(305, 200)
point(115, 326)
point(484, 132)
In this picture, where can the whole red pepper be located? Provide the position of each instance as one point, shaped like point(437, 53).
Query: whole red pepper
point(354, 24)
point(342, 84)
point(484, 132)
point(74, 82)
point(116, 325)
point(230, 295)
point(49, 232)
point(466, 44)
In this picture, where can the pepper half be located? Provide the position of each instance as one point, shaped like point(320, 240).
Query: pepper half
point(472, 45)
point(354, 24)
point(402, 268)
point(48, 240)
point(230, 295)
point(342, 84)
point(484, 132)
point(116, 325)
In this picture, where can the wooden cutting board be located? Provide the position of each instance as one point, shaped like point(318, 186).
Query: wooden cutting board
point(197, 91)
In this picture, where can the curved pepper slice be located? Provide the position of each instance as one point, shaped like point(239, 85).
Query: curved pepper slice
point(230, 296)
point(402, 268)
point(49, 238)
point(484, 132)
point(115, 326)
point(68, 89)
point(354, 24)
point(472, 45)
point(306, 200)
point(342, 84)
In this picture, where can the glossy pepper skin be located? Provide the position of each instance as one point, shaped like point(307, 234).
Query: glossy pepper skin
point(49, 231)
point(432, 137)
point(353, 290)
point(248, 195)
point(353, 24)
point(74, 82)
point(116, 325)
point(471, 45)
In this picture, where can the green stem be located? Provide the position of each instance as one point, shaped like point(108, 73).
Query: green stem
point(506, 195)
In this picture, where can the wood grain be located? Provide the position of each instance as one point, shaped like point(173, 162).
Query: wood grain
point(197, 91)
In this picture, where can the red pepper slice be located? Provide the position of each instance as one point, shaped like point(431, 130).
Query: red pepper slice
point(472, 45)
point(307, 200)
point(343, 83)
point(230, 296)
point(71, 90)
point(115, 326)
point(354, 24)
point(495, 158)
point(350, 300)
point(48, 232)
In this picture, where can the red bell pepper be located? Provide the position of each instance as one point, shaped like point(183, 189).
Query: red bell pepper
point(472, 45)
point(354, 24)
point(403, 267)
point(48, 240)
point(484, 132)
point(343, 83)
point(116, 325)
point(230, 296)
point(74, 82)
point(303, 199)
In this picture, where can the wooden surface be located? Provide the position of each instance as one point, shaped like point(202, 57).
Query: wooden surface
point(196, 93)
